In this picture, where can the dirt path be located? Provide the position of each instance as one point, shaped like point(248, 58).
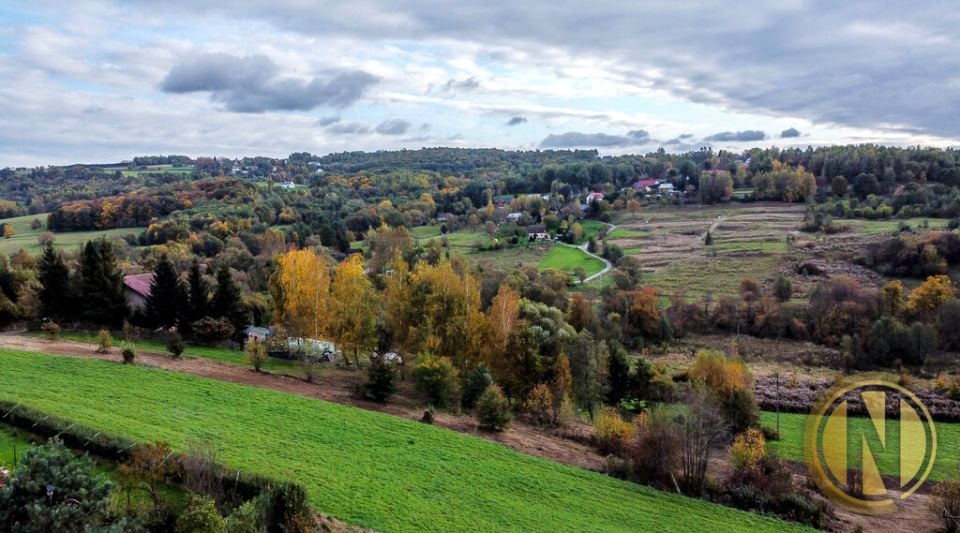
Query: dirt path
point(338, 385)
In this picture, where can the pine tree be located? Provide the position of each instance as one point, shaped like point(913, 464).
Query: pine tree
point(101, 285)
point(227, 302)
point(56, 291)
point(199, 294)
point(163, 305)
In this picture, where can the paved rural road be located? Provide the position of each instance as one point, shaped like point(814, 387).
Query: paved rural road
point(607, 265)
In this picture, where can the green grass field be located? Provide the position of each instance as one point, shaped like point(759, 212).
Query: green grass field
point(891, 225)
point(947, 464)
point(567, 259)
point(224, 355)
point(367, 468)
point(25, 238)
point(11, 438)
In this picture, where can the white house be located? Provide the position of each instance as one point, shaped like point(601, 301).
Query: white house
point(513, 217)
point(288, 185)
point(595, 197)
point(666, 188)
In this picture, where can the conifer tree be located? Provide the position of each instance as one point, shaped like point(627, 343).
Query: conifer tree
point(56, 290)
point(163, 305)
point(199, 294)
point(227, 302)
point(101, 285)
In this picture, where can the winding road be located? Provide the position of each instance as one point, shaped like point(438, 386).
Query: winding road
point(607, 265)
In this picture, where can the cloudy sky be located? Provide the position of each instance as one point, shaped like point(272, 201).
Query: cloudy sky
point(96, 81)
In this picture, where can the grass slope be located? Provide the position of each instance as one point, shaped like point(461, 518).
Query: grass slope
point(946, 465)
point(25, 238)
point(568, 258)
point(367, 468)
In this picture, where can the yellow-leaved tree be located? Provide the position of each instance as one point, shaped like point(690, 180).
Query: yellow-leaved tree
point(354, 308)
point(929, 296)
point(302, 285)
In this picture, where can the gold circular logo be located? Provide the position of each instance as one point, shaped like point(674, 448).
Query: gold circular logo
point(868, 463)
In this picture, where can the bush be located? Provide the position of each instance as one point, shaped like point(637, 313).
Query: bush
point(255, 353)
point(25, 506)
point(246, 518)
point(104, 341)
point(201, 516)
point(654, 453)
point(611, 432)
point(436, 379)
point(211, 331)
point(51, 329)
point(748, 449)
point(477, 382)
point(128, 352)
point(783, 289)
point(946, 497)
point(287, 509)
point(493, 409)
point(540, 405)
point(175, 344)
point(381, 380)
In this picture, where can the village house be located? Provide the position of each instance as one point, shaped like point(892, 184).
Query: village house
point(513, 217)
point(595, 197)
point(537, 232)
point(666, 188)
point(645, 186)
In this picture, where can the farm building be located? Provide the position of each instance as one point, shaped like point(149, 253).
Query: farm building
point(137, 288)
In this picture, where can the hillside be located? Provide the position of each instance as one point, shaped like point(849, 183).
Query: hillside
point(366, 468)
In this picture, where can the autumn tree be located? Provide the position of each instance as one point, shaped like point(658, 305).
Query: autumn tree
point(301, 285)
point(929, 296)
point(580, 314)
point(354, 306)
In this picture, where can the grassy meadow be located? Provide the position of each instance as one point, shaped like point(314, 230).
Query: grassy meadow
point(25, 238)
point(568, 259)
point(366, 468)
point(947, 464)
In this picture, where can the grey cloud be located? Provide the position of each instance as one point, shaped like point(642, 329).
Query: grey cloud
point(327, 121)
point(639, 135)
point(685, 136)
point(516, 121)
point(468, 84)
point(901, 88)
point(574, 139)
point(393, 127)
point(251, 84)
point(349, 128)
point(789, 133)
point(737, 136)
